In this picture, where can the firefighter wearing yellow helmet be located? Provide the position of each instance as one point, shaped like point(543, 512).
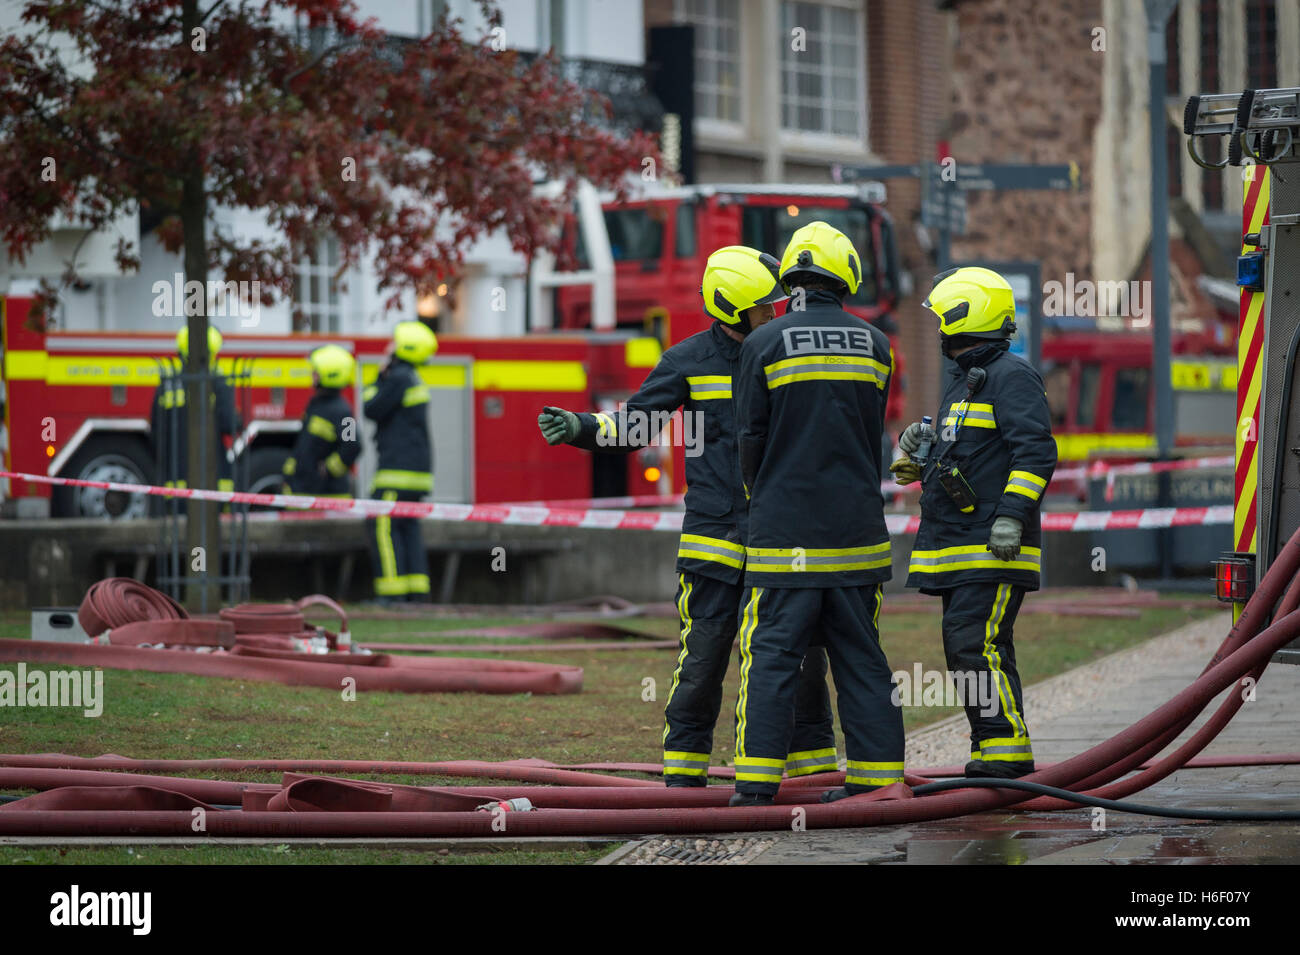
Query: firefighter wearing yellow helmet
point(820, 253)
point(168, 419)
point(810, 395)
point(398, 404)
point(328, 442)
point(983, 478)
point(740, 290)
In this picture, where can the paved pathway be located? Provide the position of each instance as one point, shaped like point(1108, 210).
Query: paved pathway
point(1066, 715)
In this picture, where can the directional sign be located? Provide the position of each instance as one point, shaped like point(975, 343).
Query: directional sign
point(942, 205)
point(971, 176)
point(857, 173)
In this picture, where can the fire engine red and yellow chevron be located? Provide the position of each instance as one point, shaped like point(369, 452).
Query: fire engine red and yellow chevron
point(1250, 342)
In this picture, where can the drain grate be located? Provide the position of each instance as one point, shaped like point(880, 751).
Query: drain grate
point(696, 852)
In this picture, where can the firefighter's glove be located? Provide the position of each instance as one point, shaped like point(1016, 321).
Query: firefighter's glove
point(1004, 539)
point(905, 471)
point(558, 426)
point(912, 436)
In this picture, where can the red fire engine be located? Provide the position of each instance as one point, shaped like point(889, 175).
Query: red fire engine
point(77, 403)
point(1100, 390)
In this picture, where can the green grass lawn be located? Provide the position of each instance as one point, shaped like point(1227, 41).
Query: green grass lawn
point(178, 716)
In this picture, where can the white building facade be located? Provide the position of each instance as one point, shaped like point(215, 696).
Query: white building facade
point(489, 297)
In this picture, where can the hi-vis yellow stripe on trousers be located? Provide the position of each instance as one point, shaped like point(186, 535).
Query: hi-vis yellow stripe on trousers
point(389, 583)
point(1006, 749)
point(994, 659)
point(684, 614)
point(861, 773)
point(747, 768)
point(807, 762)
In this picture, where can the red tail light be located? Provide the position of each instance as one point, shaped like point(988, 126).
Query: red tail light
point(1234, 577)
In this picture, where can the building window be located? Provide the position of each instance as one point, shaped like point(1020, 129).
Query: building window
point(717, 56)
point(1261, 44)
point(822, 80)
point(316, 300)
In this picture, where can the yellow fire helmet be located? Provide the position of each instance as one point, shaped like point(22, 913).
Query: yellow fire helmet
point(183, 342)
point(822, 249)
point(737, 277)
point(415, 342)
point(334, 366)
point(973, 301)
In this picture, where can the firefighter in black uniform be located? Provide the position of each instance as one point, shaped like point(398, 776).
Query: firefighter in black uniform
point(810, 410)
point(978, 545)
point(328, 444)
point(739, 288)
point(169, 427)
point(397, 403)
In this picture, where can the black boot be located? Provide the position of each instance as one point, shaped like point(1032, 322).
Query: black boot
point(751, 799)
point(998, 769)
point(835, 795)
point(685, 782)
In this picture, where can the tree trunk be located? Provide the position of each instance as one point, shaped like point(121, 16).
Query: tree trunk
point(203, 545)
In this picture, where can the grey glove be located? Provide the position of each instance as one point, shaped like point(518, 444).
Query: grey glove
point(910, 440)
point(557, 425)
point(905, 471)
point(1004, 538)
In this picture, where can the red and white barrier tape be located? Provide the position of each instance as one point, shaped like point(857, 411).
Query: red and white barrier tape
point(1146, 518)
point(366, 507)
point(635, 500)
point(1095, 471)
point(1100, 469)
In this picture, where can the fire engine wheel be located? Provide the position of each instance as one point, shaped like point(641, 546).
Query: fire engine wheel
point(105, 459)
point(264, 470)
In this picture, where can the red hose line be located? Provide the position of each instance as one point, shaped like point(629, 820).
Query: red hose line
point(1239, 655)
point(231, 792)
point(869, 810)
point(263, 618)
point(371, 672)
point(1153, 774)
point(1180, 758)
point(521, 771)
point(206, 790)
point(521, 647)
point(1283, 573)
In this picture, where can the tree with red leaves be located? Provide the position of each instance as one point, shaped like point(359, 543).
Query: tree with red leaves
point(405, 153)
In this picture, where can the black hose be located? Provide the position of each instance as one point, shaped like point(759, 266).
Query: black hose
point(1229, 815)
